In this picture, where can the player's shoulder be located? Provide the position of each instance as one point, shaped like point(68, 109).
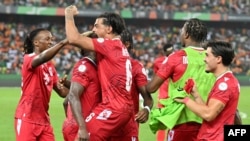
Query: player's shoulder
point(177, 55)
point(159, 59)
point(135, 62)
point(228, 79)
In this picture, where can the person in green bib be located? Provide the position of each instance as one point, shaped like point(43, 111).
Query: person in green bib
point(180, 66)
point(222, 102)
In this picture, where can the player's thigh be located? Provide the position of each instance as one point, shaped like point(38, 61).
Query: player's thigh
point(105, 125)
point(69, 130)
point(127, 133)
point(24, 130)
point(47, 134)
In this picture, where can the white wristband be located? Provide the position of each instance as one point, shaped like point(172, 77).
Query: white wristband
point(147, 107)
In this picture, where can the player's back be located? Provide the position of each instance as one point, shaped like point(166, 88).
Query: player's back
point(85, 73)
point(114, 72)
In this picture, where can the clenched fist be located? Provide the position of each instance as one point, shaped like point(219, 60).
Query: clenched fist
point(72, 9)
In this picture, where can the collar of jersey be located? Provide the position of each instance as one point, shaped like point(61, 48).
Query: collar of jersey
point(197, 48)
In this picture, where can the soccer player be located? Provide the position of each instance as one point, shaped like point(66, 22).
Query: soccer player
point(39, 77)
point(221, 106)
point(181, 65)
point(84, 94)
point(139, 82)
point(161, 135)
point(114, 72)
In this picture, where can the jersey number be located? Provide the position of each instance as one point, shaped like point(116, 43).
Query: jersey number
point(128, 75)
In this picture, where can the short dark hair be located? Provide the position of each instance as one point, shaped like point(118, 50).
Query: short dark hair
point(114, 20)
point(126, 36)
point(166, 47)
point(223, 49)
point(196, 29)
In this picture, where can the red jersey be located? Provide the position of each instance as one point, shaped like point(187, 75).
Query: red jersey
point(174, 67)
point(37, 84)
point(130, 130)
point(157, 63)
point(114, 72)
point(139, 79)
point(227, 90)
point(85, 73)
point(163, 90)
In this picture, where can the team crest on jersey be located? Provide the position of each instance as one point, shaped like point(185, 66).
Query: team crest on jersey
point(82, 68)
point(100, 40)
point(223, 86)
point(104, 115)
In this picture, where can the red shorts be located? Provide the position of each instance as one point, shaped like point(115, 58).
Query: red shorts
point(128, 133)
point(69, 130)
point(102, 123)
point(187, 131)
point(26, 131)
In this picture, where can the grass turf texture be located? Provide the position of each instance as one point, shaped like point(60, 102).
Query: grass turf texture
point(9, 98)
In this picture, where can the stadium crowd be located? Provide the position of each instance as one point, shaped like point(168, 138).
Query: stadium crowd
point(214, 6)
point(148, 42)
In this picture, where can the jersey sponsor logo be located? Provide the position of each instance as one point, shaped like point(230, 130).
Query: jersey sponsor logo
point(104, 115)
point(223, 86)
point(82, 68)
point(100, 40)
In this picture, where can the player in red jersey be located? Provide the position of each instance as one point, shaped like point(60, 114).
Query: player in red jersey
point(114, 72)
point(161, 135)
point(139, 82)
point(39, 77)
point(180, 65)
point(221, 106)
point(84, 94)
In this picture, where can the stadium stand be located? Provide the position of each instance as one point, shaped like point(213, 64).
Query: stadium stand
point(149, 37)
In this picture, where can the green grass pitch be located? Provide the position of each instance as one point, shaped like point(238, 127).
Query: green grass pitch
point(9, 98)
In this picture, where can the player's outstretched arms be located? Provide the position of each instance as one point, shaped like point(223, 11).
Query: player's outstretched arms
point(48, 54)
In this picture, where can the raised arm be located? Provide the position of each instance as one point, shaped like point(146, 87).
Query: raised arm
point(48, 54)
point(72, 33)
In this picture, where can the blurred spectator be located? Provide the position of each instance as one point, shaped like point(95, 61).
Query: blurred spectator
point(148, 41)
point(212, 6)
